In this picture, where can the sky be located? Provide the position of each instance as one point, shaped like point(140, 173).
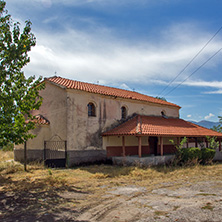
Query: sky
point(139, 45)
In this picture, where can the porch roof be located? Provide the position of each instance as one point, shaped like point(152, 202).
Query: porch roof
point(160, 126)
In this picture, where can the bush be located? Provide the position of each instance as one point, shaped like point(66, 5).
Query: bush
point(207, 155)
point(188, 155)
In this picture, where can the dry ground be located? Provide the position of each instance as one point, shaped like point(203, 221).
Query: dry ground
point(109, 193)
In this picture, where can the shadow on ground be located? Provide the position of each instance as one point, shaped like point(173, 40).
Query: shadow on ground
point(32, 203)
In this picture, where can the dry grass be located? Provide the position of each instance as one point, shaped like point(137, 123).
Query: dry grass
point(91, 177)
point(92, 181)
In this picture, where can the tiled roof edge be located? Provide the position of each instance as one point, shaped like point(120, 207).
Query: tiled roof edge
point(132, 98)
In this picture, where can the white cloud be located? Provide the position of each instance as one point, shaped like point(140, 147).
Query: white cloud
point(189, 115)
point(102, 55)
point(209, 116)
point(125, 86)
point(213, 84)
point(214, 92)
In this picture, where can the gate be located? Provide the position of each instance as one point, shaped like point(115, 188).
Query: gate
point(55, 153)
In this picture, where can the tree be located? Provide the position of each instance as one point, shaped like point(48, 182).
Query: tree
point(18, 94)
point(218, 128)
point(161, 98)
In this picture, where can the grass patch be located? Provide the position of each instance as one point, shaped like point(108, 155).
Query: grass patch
point(160, 213)
point(208, 206)
point(206, 194)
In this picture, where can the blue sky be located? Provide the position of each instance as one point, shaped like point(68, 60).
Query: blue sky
point(138, 45)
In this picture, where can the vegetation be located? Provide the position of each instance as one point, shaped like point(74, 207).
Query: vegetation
point(18, 94)
point(212, 143)
point(161, 98)
point(218, 128)
point(8, 147)
point(193, 155)
point(46, 193)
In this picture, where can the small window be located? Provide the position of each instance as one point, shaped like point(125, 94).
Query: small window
point(91, 109)
point(163, 113)
point(123, 112)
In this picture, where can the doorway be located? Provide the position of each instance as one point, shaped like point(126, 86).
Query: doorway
point(153, 143)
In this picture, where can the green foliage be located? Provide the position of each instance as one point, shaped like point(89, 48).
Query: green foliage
point(212, 143)
point(180, 145)
point(195, 155)
point(18, 94)
point(189, 155)
point(161, 98)
point(217, 128)
point(207, 155)
point(8, 147)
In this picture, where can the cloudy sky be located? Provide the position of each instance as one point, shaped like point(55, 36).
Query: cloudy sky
point(139, 45)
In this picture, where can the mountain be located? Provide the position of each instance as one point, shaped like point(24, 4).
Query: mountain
point(205, 123)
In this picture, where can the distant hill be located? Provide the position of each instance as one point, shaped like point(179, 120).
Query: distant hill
point(205, 123)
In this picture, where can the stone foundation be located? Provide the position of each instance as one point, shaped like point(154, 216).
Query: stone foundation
point(74, 157)
point(143, 161)
point(32, 155)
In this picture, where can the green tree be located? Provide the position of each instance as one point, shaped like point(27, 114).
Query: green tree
point(213, 143)
point(161, 98)
point(218, 128)
point(18, 94)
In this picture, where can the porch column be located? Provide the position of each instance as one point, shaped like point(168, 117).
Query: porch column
point(161, 146)
point(187, 142)
point(178, 141)
point(123, 146)
point(195, 141)
point(219, 144)
point(139, 146)
point(206, 142)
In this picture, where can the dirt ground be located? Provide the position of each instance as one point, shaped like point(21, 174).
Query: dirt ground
point(110, 193)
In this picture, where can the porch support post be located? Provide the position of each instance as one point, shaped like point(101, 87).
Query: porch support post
point(123, 146)
point(139, 146)
point(206, 142)
point(187, 142)
point(220, 144)
point(161, 146)
point(178, 141)
point(195, 141)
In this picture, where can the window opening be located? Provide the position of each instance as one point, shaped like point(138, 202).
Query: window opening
point(123, 112)
point(91, 109)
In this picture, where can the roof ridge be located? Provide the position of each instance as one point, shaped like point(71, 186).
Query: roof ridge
point(106, 90)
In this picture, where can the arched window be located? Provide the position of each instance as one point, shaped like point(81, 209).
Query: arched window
point(163, 113)
point(91, 109)
point(123, 112)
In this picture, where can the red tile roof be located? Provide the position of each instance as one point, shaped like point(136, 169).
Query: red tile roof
point(105, 90)
point(159, 126)
point(39, 119)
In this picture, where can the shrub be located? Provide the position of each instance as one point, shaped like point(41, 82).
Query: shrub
point(188, 155)
point(207, 155)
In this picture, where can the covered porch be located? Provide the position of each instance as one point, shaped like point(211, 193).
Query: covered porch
point(151, 136)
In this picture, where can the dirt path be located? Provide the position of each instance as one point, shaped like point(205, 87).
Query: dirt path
point(200, 201)
point(189, 202)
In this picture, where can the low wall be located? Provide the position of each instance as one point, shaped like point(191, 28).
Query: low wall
point(143, 161)
point(74, 157)
point(32, 155)
point(218, 156)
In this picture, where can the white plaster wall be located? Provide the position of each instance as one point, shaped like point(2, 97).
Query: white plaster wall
point(85, 132)
point(54, 109)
